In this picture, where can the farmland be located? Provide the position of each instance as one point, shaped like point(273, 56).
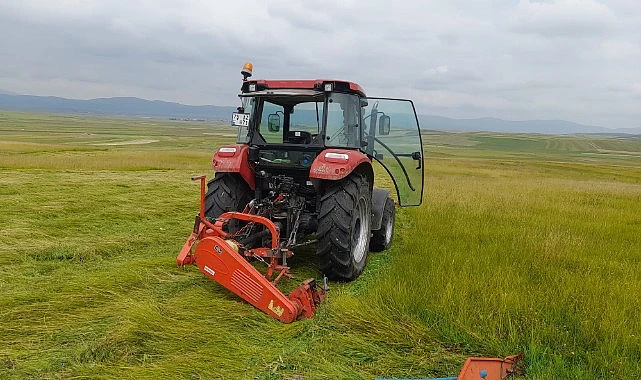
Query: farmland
point(523, 243)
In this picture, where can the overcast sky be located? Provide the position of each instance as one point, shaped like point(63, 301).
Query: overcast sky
point(578, 60)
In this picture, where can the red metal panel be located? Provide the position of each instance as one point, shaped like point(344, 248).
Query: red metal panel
point(220, 262)
point(333, 168)
point(234, 162)
point(246, 285)
point(491, 368)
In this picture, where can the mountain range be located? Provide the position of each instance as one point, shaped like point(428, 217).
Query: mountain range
point(130, 106)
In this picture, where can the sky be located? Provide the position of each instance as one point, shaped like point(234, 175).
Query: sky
point(576, 60)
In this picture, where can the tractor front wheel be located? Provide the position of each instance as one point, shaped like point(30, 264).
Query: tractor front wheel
point(344, 227)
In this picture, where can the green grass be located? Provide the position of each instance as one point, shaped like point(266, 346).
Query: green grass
point(523, 243)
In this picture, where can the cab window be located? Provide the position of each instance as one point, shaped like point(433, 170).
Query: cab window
point(343, 121)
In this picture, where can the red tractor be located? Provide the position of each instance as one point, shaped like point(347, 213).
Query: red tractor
point(301, 173)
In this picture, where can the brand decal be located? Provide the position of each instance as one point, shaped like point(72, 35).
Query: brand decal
point(209, 270)
point(276, 309)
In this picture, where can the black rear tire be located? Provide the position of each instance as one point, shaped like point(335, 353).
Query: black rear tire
point(226, 192)
point(382, 238)
point(344, 227)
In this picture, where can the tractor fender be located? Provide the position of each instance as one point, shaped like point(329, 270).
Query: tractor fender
point(234, 159)
point(335, 164)
point(379, 196)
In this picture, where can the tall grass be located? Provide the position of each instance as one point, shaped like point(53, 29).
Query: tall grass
point(526, 262)
point(537, 252)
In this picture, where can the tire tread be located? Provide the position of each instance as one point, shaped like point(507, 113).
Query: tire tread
point(334, 218)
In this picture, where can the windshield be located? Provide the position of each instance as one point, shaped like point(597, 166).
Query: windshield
point(287, 120)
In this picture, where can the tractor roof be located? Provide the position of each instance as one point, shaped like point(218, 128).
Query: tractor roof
point(310, 84)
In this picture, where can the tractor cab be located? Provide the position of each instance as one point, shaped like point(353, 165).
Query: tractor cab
point(288, 123)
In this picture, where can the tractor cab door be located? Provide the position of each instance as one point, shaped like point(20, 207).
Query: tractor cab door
point(393, 137)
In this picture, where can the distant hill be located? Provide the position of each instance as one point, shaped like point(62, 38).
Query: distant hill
point(126, 106)
point(490, 124)
point(129, 106)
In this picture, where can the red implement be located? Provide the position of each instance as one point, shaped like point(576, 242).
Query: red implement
point(219, 257)
point(491, 368)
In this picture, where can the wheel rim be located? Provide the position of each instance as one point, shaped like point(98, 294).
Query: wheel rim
point(389, 228)
point(360, 231)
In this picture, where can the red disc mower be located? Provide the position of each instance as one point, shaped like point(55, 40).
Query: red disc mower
point(301, 173)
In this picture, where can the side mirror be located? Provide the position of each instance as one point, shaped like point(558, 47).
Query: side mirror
point(384, 125)
point(273, 122)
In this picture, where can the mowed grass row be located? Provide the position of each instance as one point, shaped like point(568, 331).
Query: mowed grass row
point(89, 288)
point(537, 255)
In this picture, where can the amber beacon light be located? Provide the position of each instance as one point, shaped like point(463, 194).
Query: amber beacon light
point(247, 70)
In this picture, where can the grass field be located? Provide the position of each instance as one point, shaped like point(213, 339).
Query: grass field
point(523, 243)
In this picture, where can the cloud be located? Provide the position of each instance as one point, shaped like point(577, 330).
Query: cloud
point(562, 18)
point(621, 50)
point(449, 99)
point(559, 59)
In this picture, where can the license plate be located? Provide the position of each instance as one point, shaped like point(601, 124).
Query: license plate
point(240, 119)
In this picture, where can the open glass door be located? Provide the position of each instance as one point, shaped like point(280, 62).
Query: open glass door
point(393, 136)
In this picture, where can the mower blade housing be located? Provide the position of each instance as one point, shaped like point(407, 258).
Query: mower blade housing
point(220, 262)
